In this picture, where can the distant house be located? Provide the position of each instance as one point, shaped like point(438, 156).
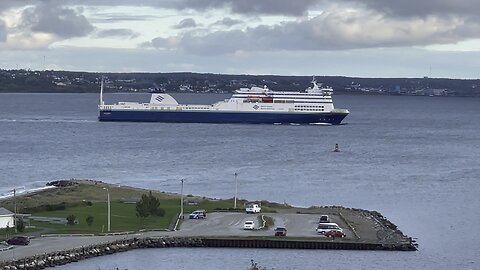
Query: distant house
point(6, 218)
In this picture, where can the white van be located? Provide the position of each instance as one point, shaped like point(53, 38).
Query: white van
point(326, 227)
point(253, 208)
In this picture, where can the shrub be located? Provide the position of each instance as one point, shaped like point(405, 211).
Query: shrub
point(89, 220)
point(71, 219)
point(20, 225)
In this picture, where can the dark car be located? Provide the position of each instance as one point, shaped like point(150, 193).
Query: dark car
point(19, 240)
point(324, 219)
point(280, 231)
point(335, 234)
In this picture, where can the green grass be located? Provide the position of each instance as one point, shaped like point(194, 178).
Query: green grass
point(123, 216)
point(268, 221)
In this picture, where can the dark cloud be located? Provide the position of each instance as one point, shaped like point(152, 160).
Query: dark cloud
point(121, 17)
point(279, 7)
point(413, 8)
point(7, 4)
point(405, 8)
point(119, 33)
point(336, 29)
point(272, 7)
point(186, 23)
point(256, 7)
point(3, 31)
point(63, 22)
point(228, 22)
point(161, 43)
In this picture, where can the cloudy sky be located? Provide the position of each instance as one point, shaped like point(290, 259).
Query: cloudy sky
point(365, 38)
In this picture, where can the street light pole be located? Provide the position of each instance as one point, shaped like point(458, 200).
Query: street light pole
point(236, 189)
point(15, 210)
point(181, 200)
point(108, 206)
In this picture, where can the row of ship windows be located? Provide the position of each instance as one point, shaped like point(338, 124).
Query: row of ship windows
point(280, 94)
point(316, 110)
point(292, 99)
point(308, 106)
point(195, 108)
point(283, 101)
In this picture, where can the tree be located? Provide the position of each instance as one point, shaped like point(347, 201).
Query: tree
point(89, 220)
point(148, 205)
point(153, 204)
point(71, 219)
point(20, 225)
point(141, 207)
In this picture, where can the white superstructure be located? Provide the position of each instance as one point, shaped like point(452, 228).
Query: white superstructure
point(255, 99)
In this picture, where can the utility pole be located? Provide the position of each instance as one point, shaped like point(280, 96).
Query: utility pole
point(108, 206)
point(15, 210)
point(181, 200)
point(236, 189)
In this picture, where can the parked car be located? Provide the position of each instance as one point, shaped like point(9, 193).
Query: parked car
point(324, 219)
point(19, 240)
point(335, 234)
point(198, 214)
point(326, 227)
point(253, 208)
point(280, 231)
point(249, 225)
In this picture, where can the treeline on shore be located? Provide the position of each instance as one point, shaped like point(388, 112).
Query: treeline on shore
point(28, 81)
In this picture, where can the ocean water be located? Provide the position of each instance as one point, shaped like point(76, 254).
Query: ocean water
point(414, 159)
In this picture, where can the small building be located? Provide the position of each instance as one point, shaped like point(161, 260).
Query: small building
point(6, 218)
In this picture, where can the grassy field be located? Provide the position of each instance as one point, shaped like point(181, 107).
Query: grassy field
point(123, 216)
point(85, 198)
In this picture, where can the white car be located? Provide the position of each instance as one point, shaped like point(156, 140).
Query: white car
point(249, 225)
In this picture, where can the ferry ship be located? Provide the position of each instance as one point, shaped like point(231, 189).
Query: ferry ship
point(253, 105)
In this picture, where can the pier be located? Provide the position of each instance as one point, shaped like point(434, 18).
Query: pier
point(222, 228)
point(74, 255)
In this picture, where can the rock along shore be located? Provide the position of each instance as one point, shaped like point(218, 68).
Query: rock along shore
point(64, 257)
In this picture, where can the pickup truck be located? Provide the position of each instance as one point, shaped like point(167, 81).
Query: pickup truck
point(253, 208)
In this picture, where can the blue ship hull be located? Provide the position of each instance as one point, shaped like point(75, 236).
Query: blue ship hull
point(222, 117)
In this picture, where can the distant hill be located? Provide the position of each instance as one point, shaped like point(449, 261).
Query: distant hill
point(18, 81)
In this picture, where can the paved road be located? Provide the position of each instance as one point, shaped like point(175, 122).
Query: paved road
point(216, 224)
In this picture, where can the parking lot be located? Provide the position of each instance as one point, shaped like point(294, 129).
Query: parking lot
point(231, 224)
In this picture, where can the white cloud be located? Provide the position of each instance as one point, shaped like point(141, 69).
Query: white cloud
point(28, 41)
point(334, 29)
point(3, 31)
point(335, 32)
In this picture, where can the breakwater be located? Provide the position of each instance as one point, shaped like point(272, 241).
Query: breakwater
point(74, 255)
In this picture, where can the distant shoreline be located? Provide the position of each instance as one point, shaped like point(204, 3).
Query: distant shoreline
point(28, 81)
